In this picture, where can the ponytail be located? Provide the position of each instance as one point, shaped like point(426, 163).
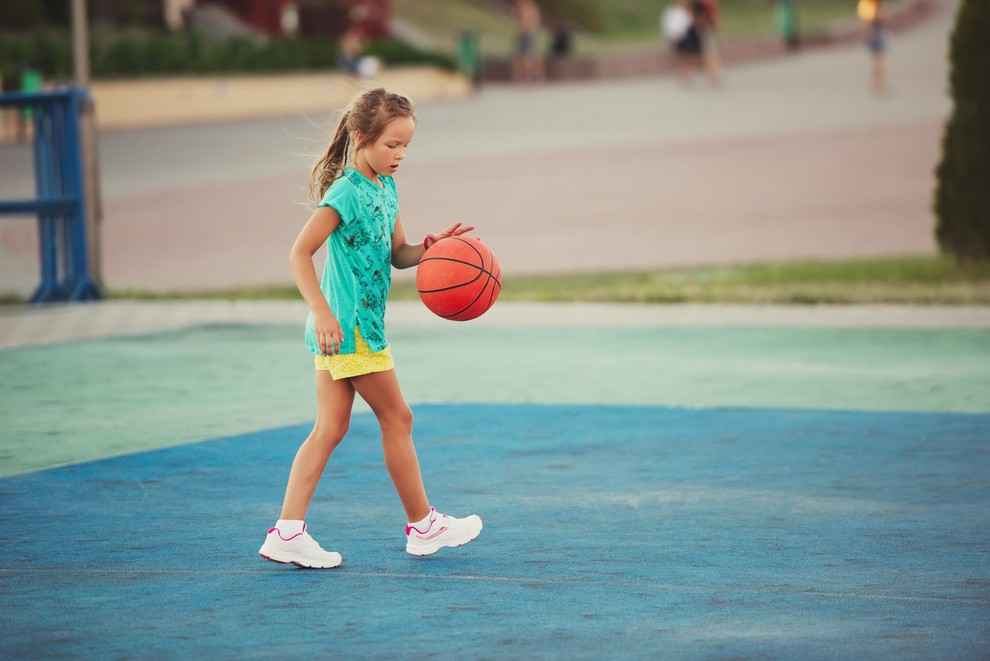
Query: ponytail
point(329, 167)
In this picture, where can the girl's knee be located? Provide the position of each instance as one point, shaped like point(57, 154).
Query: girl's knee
point(330, 433)
point(398, 420)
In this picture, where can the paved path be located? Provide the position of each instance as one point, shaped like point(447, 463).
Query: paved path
point(794, 158)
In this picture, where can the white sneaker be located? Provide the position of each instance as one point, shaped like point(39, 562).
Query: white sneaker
point(443, 531)
point(300, 550)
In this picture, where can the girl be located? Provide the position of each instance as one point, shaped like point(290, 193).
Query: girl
point(358, 217)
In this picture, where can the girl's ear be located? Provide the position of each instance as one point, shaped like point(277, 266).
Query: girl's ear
point(358, 139)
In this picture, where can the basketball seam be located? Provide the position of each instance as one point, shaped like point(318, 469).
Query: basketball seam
point(481, 271)
point(480, 293)
point(481, 268)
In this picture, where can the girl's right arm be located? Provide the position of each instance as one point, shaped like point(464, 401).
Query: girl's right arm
point(313, 235)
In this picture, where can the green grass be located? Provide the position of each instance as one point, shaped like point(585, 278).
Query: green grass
point(914, 280)
point(902, 280)
point(626, 24)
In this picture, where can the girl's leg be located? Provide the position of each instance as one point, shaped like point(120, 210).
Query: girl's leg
point(333, 414)
point(381, 391)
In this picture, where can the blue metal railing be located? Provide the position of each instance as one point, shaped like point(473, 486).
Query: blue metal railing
point(61, 194)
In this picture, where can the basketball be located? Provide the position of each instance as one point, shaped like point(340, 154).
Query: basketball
point(459, 278)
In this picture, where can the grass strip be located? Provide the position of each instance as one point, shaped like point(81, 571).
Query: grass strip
point(902, 280)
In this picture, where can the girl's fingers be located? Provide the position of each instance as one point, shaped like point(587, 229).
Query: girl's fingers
point(457, 229)
point(328, 344)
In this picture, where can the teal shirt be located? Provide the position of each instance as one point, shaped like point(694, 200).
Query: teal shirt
point(358, 272)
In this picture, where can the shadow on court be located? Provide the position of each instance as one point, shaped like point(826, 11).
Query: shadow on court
point(609, 532)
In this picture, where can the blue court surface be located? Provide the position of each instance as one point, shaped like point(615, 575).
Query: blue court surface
point(610, 532)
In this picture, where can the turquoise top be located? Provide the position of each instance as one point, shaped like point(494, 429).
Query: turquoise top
point(358, 271)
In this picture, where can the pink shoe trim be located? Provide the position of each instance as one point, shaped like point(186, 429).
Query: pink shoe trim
point(286, 539)
point(433, 518)
point(437, 533)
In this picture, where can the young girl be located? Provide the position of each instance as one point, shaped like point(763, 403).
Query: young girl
point(358, 217)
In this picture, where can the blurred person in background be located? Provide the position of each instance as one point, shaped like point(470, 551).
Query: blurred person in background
point(706, 13)
point(686, 24)
point(352, 45)
point(527, 66)
point(871, 13)
point(561, 40)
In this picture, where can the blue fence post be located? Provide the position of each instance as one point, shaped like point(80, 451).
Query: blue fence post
point(82, 285)
point(48, 234)
point(60, 202)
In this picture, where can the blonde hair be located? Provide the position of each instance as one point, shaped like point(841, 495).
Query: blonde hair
point(368, 114)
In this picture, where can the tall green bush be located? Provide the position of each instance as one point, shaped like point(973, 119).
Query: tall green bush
point(962, 195)
point(131, 54)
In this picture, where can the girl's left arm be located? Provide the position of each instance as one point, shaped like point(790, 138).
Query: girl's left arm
point(405, 255)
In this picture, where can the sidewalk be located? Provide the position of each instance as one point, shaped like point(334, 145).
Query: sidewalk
point(145, 103)
point(175, 101)
point(190, 100)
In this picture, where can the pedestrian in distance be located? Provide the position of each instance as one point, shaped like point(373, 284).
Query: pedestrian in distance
point(357, 217)
point(871, 13)
point(706, 17)
point(352, 45)
point(686, 25)
point(527, 65)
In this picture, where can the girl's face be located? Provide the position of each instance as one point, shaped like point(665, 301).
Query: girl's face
point(383, 156)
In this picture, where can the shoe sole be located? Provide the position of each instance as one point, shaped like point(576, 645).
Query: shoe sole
point(297, 564)
point(430, 550)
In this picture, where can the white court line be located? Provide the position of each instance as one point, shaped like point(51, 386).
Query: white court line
point(659, 587)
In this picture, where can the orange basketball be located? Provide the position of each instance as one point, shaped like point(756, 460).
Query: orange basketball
point(459, 278)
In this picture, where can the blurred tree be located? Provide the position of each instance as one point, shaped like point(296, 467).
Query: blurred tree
point(59, 12)
point(962, 201)
point(22, 15)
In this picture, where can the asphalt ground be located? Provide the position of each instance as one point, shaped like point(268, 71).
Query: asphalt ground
point(673, 481)
point(610, 532)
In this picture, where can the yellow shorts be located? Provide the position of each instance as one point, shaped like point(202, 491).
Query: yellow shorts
point(362, 361)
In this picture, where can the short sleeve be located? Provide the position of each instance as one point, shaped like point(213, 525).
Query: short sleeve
point(343, 197)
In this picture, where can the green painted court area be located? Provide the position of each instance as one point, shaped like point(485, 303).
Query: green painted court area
point(88, 399)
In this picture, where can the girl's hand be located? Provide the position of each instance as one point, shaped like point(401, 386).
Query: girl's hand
point(453, 230)
point(329, 334)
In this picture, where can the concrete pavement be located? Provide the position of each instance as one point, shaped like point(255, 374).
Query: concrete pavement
point(31, 326)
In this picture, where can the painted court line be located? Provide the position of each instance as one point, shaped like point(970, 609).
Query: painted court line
point(344, 574)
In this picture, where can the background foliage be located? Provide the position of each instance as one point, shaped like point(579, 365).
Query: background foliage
point(962, 197)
